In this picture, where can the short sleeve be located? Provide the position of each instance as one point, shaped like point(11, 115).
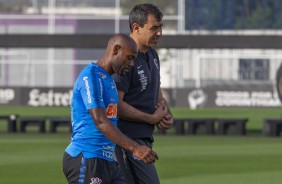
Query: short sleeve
point(123, 82)
point(91, 91)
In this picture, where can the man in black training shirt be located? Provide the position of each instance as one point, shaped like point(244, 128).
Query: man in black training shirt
point(141, 105)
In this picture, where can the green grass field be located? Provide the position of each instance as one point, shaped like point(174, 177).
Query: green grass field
point(32, 157)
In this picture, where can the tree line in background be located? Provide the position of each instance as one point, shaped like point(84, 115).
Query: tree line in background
point(233, 14)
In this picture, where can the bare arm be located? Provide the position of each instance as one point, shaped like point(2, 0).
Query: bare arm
point(163, 100)
point(126, 111)
point(112, 133)
point(167, 121)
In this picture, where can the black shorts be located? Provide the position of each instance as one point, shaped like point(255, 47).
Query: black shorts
point(135, 170)
point(79, 170)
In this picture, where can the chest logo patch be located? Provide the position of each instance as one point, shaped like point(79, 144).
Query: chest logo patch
point(103, 76)
point(156, 63)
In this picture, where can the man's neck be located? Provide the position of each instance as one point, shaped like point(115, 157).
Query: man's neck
point(141, 47)
point(102, 63)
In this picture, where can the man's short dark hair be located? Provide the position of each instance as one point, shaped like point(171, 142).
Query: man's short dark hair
point(139, 14)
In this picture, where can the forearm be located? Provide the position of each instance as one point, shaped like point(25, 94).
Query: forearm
point(115, 135)
point(109, 130)
point(128, 112)
point(163, 100)
point(168, 109)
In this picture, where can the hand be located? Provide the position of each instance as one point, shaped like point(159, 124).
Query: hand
point(146, 154)
point(159, 114)
point(165, 123)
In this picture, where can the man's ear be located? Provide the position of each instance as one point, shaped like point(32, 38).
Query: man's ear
point(135, 28)
point(116, 49)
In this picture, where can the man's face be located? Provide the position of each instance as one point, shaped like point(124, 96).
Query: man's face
point(125, 60)
point(151, 32)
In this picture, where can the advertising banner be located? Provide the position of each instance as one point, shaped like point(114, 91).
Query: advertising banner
point(43, 97)
point(228, 96)
point(209, 97)
point(35, 97)
point(10, 96)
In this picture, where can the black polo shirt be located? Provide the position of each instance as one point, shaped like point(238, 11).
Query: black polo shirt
point(141, 86)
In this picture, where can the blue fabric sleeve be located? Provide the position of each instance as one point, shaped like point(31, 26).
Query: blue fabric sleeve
point(91, 91)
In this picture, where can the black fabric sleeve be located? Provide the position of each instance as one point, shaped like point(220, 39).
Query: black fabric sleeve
point(123, 82)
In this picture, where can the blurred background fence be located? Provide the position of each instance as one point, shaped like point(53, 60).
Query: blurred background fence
point(197, 66)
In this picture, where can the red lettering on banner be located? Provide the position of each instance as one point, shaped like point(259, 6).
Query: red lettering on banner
point(112, 111)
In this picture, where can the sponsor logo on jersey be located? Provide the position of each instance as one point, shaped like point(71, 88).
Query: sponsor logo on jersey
point(101, 90)
point(112, 111)
point(108, 151)
point(87, 87)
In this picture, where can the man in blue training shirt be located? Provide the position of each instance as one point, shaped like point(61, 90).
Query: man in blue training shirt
point(89, 158)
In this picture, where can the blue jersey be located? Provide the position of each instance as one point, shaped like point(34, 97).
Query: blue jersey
point(94, 88)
